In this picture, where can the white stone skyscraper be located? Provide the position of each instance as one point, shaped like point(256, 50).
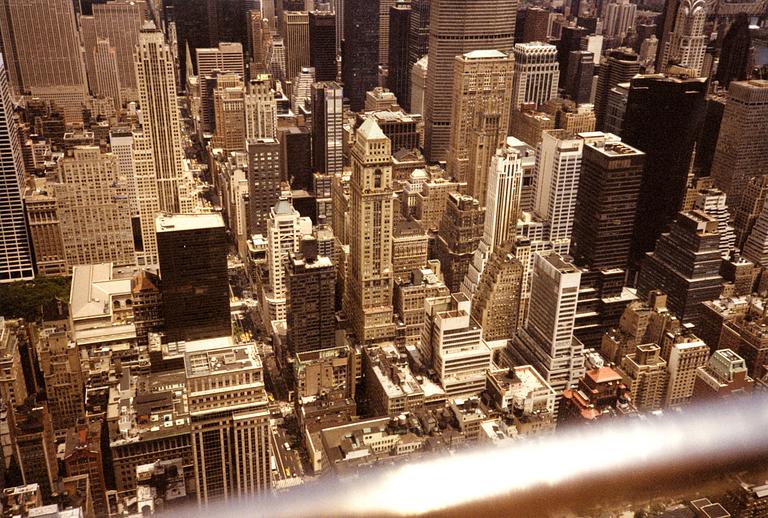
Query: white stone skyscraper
point(16, 248)
point(619, 17)
point(502, 210)
point(284, 232)
point(371, 210)
point(260, 109)
point(687, 44)
point(536, 73)
point(558, 164)
point(547, 340)
point(156, 81)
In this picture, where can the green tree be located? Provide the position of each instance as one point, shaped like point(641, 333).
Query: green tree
point(26, 299)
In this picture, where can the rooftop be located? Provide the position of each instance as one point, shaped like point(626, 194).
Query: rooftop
point(182, 222)
point(93, 287)
point(484, 54)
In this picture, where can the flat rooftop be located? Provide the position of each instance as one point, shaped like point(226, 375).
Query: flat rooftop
point(182, 222)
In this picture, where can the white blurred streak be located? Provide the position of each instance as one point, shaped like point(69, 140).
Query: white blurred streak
point(731, 428)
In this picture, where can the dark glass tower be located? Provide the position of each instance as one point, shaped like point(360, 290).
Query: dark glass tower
point(360, 50)
point(685, 265)
point(662, 119)
point(399, 77)
point(734, 54)
point(322, 44)
point(193, 267)
point(578, 76)
point(609, 187)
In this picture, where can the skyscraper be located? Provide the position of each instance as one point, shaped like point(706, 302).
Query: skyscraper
point(496, 305)
point(742, 144)
point(536, 73)
point(106, 82)
point(285, 228)
point(663, 118)
point(482, 85)
point(619, 18)
point(578, 76)
point(226, 57)
point(547, 340)
point(360, 50)
point(230, 420)
point(118, 23)
point(263, 182)
point(398, 71)
point(193, 270)
point(16, 252)
point(620, 66)
point(685, 265)
point(41, 48)
point(687, 43)
point(229, 114)
point(369, 285)
point(418, 43)
point(609, 187)
point(322, 44)
point(260, 109)
point(327, 127)
point(295, 31)
point(457, 27)
point(311, 294)
point(94, 210)
point(156, 82)
point(460, 231)
point(735, 52)
point(558, 167)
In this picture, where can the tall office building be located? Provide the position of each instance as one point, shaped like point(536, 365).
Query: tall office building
point(41, 49)
point(556, 183)
point(452, 344)
point(685, 265)
point(457, 27)
point(322, 45)
point(578, 76)
point(295, 31)
point(460, 231)
point(229, 420)
point(687, 43)
point(685, 358)
point(755, 243)
point(742, 144)
point(16, 252)
point(327, 127)
point(263, 182)
point(735, 52)
point(360, 50)
point(106, 82)
point(140, 160)
point(296, 156)
point(34, 446)
point(398, 71)
point(311, 298)
point(619, 18)
point(572, 38)
point(418, 43)
point(645, 374)
point(260, 109)
point(609, 188)
point(93, 209)
point(229, 114)
point(285, 228)
point(620, 66)
point(193, 269)
point(663, 118)
point(536, 73)
point(156, 81)
point(226, 57)
point(496, 305)
point(118, 22)
point(536, 26)
point(482, 86)
point(502, 210)
point(546, 341)
point(369, 285)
